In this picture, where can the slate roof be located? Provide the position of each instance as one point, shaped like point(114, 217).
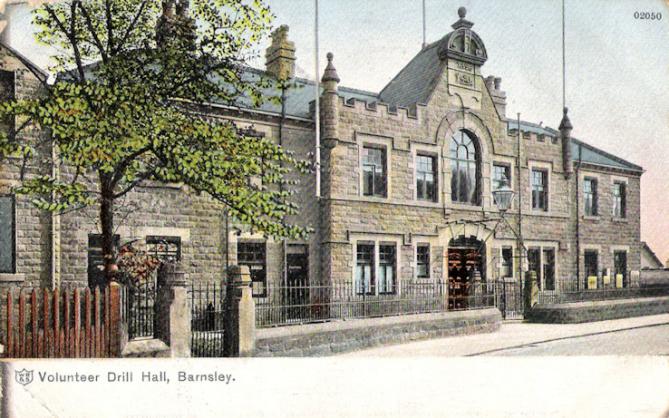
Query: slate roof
point(416, 81)
point(299, 96)
point(579, 149)
point(413, 84)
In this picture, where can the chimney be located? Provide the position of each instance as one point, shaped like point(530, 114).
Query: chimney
point(175, 21)
point(494, 85)
point(565, 133)
point(281, 55)
point(10, 11)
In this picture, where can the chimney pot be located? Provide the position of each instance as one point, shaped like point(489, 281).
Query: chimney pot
point(280, 55)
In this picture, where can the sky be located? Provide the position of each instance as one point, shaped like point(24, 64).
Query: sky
point(617, 66)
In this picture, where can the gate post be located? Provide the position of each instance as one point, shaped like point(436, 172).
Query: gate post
point(531, 290)
point(240, 319)
point(118, 333)
point(478, 291)
point(172, 316)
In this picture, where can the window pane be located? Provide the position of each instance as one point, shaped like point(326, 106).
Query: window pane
point(386, 268)
point(364, 262)
point(590, 261)
point(423, 261)
point(374, 171)
point(464, 167)
point(425, 177)
point(7, 244)
point(549, 268)
point(539, 190)
point(252, 255)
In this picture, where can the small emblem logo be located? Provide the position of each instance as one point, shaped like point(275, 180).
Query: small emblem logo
point(24, 376)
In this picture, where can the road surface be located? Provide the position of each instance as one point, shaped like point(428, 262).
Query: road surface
point(647, 335)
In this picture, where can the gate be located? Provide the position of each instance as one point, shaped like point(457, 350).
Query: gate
point(509, 298)
point(141, 311)
point(207, 319)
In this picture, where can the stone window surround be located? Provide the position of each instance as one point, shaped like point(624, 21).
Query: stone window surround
point(624, 180)
point(548, 168)
point(591, 247)
point(497, 252)
point(386, 143)
point(619, 248)
point(376, 240)
point(583, 175)
point(556, 268)
point(415, 259)
point(432, 151)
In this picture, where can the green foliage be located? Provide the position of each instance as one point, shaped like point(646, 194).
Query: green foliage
point(128, 107)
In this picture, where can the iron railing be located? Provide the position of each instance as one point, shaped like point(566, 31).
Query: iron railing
point(567, 292)
point(285, 305)
point(207, 319)
point(141, 299)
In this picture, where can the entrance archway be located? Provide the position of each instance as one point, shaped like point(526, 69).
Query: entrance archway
point(465, 255)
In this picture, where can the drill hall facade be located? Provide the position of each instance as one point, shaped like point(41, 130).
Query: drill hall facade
point(407, 177)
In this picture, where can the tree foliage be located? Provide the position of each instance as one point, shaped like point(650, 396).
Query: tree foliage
point(129, 105)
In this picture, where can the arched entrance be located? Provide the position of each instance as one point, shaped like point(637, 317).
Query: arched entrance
point(466, 256)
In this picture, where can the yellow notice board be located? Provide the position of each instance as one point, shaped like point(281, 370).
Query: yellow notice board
point(606, 280)
point(592, 282)
point(619, 281)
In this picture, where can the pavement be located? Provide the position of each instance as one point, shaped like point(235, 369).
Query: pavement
point(646, 335)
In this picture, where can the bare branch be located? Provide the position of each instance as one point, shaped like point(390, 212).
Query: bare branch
point(96, 39)
point(131, 27)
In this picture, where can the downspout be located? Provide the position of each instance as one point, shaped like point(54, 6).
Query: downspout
point(281, 123)
point(317, 111)
point(55, 226)
point(578, 221)
point(521, 246)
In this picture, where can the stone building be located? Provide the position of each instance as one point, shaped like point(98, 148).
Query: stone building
point(407, 176)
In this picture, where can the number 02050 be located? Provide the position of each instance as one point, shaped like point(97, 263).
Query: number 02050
point(648, 15)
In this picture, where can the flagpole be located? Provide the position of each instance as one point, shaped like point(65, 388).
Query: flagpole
point(317, 111)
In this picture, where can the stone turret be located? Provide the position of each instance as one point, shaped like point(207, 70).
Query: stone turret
point(281, 55)
point(329, 103)
point(565, 133)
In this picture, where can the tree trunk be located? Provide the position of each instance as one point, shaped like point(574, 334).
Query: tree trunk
point(107, 224)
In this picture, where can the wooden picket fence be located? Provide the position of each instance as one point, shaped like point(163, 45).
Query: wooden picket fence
point(78, 323)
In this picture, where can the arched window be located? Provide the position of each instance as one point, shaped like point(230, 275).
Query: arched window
point(464, 168)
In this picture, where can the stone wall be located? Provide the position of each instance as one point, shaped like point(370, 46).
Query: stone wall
point(339, 337)
point(578, 312)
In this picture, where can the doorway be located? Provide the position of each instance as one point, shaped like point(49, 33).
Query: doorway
point(465, 255)
point(296, 291)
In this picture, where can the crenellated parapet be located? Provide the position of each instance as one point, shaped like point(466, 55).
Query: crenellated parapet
point(415, 113)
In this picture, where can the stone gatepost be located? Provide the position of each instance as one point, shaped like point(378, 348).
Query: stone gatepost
point(172, 314)
point(240, 319)
point(635, 278)
point(531, 290)
point(476, 290)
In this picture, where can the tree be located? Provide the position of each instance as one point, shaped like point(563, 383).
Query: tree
point(127, 104)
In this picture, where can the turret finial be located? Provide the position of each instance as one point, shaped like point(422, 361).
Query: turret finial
point(462, 12)
point(330, 73)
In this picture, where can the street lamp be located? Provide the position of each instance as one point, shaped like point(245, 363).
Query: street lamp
point(503, 196)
